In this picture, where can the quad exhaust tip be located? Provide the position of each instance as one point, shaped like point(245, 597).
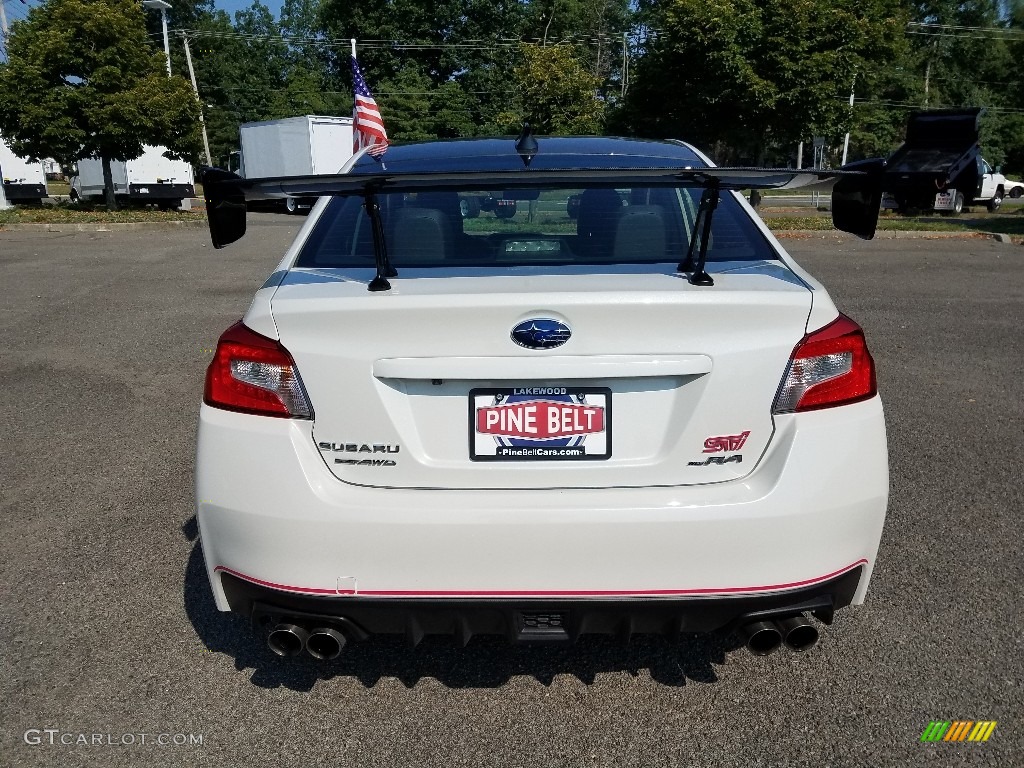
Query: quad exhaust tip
point(763, 637)
point(322, 643)
point(325, 643)
point(798, 633)
point(287, 639)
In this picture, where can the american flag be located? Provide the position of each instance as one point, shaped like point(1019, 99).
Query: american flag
point(368, 125)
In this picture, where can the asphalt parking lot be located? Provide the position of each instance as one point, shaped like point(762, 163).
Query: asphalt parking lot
point(108, 627)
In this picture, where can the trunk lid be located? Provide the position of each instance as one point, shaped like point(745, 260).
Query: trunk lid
point(674, 382)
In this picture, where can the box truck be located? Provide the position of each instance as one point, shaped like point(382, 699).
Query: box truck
point(293, 146)
point(150, 178)
point(24, 182)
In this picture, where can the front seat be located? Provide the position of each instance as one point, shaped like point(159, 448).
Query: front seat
point(418, 236)
point(640, 234)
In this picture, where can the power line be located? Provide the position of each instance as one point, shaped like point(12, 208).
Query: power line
point(917, 105)
point(963, 28)
point(481, 44)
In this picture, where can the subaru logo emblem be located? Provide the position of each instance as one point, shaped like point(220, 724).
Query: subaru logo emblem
point(541, 333)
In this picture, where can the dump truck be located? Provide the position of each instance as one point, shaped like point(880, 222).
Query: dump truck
point(940, 168)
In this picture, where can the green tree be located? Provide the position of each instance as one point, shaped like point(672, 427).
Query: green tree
point(183, 14)
point(83, 80)
point(554, 93)
point(748, 76)
point(433, 46)
point(596, 27)
point(405, 106)
point(976, 66)
point(246, 72)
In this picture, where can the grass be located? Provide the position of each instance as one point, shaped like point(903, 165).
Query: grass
point(1007, 225)
point(552, 220)
point(83, 214)
point(557, 224)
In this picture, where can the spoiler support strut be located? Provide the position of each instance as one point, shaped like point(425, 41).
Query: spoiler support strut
point(380, 251)
point(702, 227)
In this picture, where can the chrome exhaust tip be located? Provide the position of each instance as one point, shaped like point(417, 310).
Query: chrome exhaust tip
point(761, 637)
point(325, 643)
point(798, 633)
point(287, 639)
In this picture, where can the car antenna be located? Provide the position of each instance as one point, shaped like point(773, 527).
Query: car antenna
point(702, 225)
point(380, 252)
point(526, 145)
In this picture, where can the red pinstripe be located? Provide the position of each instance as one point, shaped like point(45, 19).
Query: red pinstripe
point(539, 593)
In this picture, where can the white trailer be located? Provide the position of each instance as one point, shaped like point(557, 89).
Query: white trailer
point(24, 181)
point(294, 146)
point(149, 178)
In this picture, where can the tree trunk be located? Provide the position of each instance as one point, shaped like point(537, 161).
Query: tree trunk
point(755, 194)
point(108, 185)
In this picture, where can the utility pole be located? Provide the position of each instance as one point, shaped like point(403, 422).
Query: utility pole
point(4, 205)
point(928, 70)
point(162, 6)
point(846, 141)
point(192, 74)
point(625, 64)
point(927, 75)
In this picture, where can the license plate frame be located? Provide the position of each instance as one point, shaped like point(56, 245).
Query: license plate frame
point(593, 445)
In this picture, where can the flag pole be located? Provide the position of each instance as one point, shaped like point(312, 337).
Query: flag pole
point(353, 41)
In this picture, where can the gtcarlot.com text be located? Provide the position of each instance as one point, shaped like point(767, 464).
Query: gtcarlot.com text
point(56, 736)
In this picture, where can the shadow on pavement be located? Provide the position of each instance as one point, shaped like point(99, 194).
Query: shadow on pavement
point(485, 663)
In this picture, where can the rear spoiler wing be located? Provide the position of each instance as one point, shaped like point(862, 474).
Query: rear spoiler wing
point(856, 188)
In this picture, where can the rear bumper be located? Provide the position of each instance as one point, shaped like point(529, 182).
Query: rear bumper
point(526, 620)
point(277, 527)
point(16, 192)
point(157, 191)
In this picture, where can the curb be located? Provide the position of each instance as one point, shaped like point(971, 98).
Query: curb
point(99, 226)
point(895, 234)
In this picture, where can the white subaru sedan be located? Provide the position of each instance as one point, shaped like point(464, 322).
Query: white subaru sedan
point(617, 406)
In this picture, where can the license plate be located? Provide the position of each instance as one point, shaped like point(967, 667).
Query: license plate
point(944, 201)
point(540, 423)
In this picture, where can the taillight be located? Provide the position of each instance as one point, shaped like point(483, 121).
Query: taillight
point(829, 367)
point(253, 374)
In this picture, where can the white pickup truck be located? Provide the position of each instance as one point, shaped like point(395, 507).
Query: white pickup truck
point(993, 187)
point(1014, 189)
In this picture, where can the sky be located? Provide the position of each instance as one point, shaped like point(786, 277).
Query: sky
point(237, 5)
point(17, 10)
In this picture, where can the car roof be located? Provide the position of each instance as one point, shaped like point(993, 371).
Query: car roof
point(553, 153)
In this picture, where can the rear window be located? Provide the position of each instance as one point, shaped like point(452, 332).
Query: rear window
point(531, 227)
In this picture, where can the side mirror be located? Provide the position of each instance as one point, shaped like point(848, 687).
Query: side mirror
point(225, 206)
point(999, 169)
point(857, 199)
